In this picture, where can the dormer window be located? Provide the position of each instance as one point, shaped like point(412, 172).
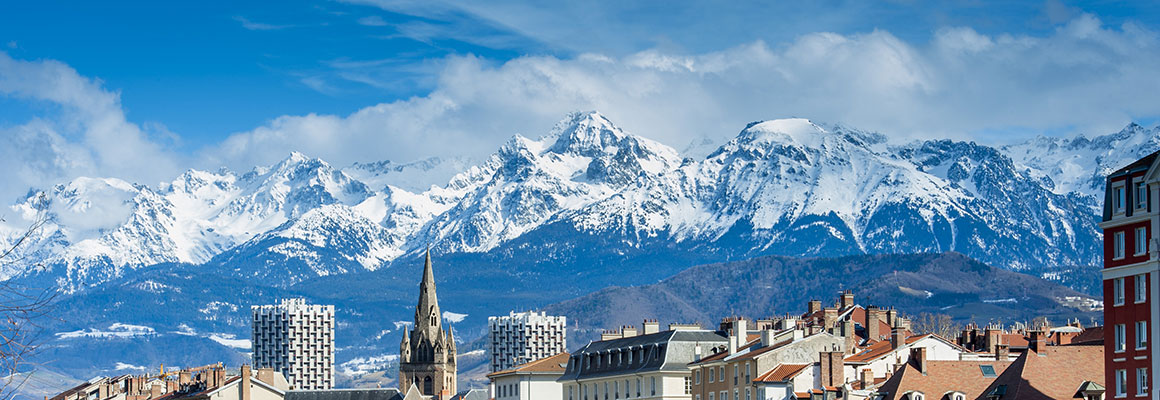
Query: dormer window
point(1119, 200)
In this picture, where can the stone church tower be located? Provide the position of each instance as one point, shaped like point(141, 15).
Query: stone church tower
point(427, 353)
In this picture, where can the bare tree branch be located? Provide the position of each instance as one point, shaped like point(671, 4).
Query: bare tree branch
point(20, 309)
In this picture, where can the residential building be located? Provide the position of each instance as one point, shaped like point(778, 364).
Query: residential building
point(210, 382)
point(427, 353)
point(536, 380)
point(877, 362)
point(730, 373)
point(1131, 267)
point(1053, 372)
point(921, 378)
point(296, 339)
point(520, 338)
point(651, 364)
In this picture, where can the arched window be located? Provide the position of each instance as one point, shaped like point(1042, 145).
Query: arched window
point(428, 388)
point(913, 396)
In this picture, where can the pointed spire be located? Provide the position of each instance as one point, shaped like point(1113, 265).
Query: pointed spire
point(427, 315)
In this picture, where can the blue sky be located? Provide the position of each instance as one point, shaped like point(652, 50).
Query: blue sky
point(237, 84)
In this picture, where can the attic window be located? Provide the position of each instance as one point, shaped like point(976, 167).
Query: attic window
point(988, 371)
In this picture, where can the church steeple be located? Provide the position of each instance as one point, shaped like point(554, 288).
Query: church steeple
point(427, 355)
point(427, 314)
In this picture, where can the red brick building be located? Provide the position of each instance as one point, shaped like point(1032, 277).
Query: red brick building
point(1130, 272)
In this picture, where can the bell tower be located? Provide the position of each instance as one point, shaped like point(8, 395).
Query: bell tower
point(427, 352)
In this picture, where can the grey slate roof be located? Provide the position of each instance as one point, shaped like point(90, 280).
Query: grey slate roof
point(344, 394)
point(473, 394)
point(661, 351)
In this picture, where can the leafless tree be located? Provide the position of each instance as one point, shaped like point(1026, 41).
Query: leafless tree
point(20, 310)
point(939, 324)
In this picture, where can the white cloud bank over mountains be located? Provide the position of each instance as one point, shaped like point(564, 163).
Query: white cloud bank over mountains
point(1082, 77)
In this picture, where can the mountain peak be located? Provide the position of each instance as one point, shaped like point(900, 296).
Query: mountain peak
point(800, 131)
point(586, 133)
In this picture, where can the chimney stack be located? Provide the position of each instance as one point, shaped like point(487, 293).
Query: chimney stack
point(651, 326)
point(1002, 352)
point(628, 331)
point(831, 367)
point(1038, 341)
point(815, 306)
point(851, 338)
point(897, 338)
point(847, 299)
point(245, 384)
point(872, 324)
point(867, 378)
point(892, 318)
point(918, 358)
point(829, 318)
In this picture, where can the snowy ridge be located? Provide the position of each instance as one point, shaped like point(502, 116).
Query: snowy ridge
point(790, 186)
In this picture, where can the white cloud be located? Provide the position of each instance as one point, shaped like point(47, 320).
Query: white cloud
point(962, 84)
point(373, 20)
point(83, 133)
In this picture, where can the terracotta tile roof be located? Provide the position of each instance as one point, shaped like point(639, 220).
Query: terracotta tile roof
point(782, 373)
point(802, 395)
point(942, 376)
point(1093, 335)
point(553, 364)
point(857, 385)
point(879, 349)
point(1056, 372)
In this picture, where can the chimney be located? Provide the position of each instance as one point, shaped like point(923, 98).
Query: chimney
point(609, 335)
point(245, 384)
point(697, 352)
point(829, 318)
point(847, 299)
point(651, 326)
point(867, 378)
point(155, 391)
point(266, 375)
point(1002, 352)
point(872, 325)
point(183, 378)
point(892, 318)
point(918, 358)
point(767, 337)
point(897, 338)
point(815, 306)
point(992, 334)
point(741, 331)
point(628, 331)
point(830, 367)
point(849, 335)
point(1037, 342)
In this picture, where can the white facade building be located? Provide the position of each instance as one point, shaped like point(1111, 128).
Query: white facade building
point(520, 338)
point(296, 339)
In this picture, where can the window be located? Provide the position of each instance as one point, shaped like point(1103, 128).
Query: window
point(1121, 383)
point(736, 396)
point(748, 369)
point(1118, 291)
point(1141, 381)
point(1119, 246)
point(723, 395)
point(688, 386)
point(1141, 288)
point(735, 376)
point(1141, 335)
point(616, 390)
point(637, 387)
point(1141, 195)
point(712, 375)
point(654, 386)
point(1120, 340)
point(721, 373)
point(748, 394)
point(1141, 241)
point(627, 392)
point(987, 370)
point(697, 376)
point(571, 392)
point(712, 396)
point(1118, 198)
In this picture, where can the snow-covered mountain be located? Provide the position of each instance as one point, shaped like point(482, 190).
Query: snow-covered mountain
point(789, 187)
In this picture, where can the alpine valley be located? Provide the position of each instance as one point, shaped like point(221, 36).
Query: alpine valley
point(540, 221)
